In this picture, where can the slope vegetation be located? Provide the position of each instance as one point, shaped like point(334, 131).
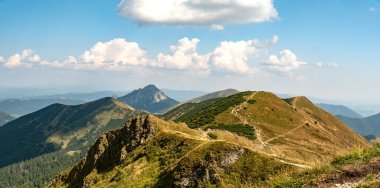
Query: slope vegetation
point(56, 130)
point(149, 152)
point(293, 129)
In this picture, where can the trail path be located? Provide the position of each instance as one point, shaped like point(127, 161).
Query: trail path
point(244, 120)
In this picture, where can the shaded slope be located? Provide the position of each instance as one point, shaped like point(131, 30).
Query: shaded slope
point(5, 118)
point(60, 127)
point(339, 110)
point(149, 98)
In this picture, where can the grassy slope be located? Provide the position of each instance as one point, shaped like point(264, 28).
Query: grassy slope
point(177, 154)
point(350, 167)
point(293, 129)
point(287, 134)
point(53, 129)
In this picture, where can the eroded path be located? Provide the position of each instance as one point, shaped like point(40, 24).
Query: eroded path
point(262, 146)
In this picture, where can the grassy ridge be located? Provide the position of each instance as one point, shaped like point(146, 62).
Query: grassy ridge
point(205, 114)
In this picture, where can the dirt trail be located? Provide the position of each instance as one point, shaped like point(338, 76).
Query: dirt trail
point(244, 120)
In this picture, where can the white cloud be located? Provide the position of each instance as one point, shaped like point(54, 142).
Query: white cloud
point(285, 62)
point(184, 56)
point(24, 59)
point(198, 12)
point(114, 52)
point(235, 56)
point(2, 59)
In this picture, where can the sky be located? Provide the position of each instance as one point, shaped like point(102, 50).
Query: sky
point(326, 48)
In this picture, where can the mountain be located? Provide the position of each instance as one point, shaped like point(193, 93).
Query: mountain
point(244, 140)
point(5, 118)
point(293, 124)
point(182, 95)
point(26, 105)
point(365, 126)
point(59, 130)
point(149, 98)
point(222, 93)
point(339, 110)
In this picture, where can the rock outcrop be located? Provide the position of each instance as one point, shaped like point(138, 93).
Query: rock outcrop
point(110, 149)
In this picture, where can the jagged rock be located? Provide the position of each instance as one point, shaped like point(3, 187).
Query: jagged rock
point(110, 149)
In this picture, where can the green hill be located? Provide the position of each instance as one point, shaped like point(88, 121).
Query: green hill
point(245, 140)
point(59, 129)
point(295, 127)
point(5, 118)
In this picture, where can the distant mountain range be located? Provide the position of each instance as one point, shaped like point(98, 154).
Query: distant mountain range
point(5, 118)
point(26, 105)
point(339, 110)
point(222, 93)
point(149, 98)
point(365, 126)
point(182, 95)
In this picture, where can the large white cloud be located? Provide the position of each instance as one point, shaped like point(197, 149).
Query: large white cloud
point(285, 62)
point(214, 13)
point(239, 57)
point(184, 56)
point(24, 59)
point(236, 56)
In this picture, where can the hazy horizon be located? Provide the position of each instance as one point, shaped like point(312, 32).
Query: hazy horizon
point(331, 53)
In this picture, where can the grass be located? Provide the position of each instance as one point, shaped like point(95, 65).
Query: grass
point(239, 129)
point(298, 179)
point(206, 114)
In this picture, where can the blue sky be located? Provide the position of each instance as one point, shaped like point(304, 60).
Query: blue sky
point(336, 43)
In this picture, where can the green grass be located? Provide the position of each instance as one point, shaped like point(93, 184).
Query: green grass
point(206, 114)
point(359, 156)
point(239, 129)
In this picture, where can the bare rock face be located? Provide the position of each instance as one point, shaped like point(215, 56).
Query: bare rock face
point(110, 149)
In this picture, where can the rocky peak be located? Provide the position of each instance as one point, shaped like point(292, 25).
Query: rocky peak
point(111, 148)
point(149, 98)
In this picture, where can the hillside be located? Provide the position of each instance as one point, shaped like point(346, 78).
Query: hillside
point(5, 118)
point(56, 128)
point(339, 110)
point(149, 98)
point(364, 126)
point(294, 127)
point(244, 140)
point(149, 152)
point(218, 94)
point(360, 168)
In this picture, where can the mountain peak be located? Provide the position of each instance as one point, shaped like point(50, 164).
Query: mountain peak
point(149, 98)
